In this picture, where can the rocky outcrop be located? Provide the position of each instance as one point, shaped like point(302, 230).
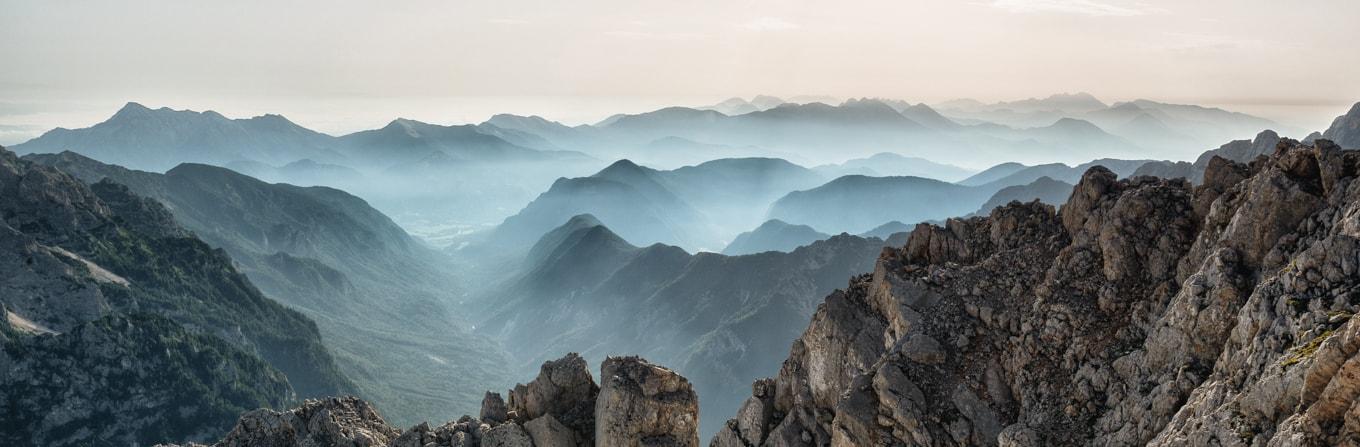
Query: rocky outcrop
point(1144, 311)
point(345, 421)
point(641, 404)
point(563, 391)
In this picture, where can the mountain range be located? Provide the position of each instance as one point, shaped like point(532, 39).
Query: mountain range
point(139, 137)
point(1148, 124)
point(697, 207)
point(818, 132)
point(444, 181)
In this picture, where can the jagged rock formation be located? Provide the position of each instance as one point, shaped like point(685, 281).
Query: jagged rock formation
point(642, 404)
point(639, 404)
point(1144, 311)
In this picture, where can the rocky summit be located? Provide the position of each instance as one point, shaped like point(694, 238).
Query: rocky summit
point(636, 404)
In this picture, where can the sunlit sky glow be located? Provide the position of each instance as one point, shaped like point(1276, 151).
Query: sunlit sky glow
point(339, 66)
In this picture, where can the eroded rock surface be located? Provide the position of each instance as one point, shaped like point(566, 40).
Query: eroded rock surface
point(642, 404)
point(1143, 311)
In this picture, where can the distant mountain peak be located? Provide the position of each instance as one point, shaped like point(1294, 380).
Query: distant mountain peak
point(133, 106)
point(131, 111)
point(1126, 106)
point(622, 166)
point(406, 126)
point(623, 163)
point(865, 102)
point(773, 223)
point(583, 220)
point(500, 117)
point(1074, 124)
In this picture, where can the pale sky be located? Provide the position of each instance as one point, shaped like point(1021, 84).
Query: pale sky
point(340, 66)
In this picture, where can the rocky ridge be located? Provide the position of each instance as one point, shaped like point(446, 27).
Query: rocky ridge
point(636, 404)
point(1142, 312)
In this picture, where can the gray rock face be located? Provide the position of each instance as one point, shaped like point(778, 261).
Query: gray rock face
point(507, 435)
point(564, 390)
point(546, 431)
point(642, 404)
point(493, 408)
point(1145, 311)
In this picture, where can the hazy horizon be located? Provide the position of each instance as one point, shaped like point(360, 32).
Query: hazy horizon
point(22, 121)
point(339, 67)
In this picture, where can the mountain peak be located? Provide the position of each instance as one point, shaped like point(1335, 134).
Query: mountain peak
point(1073, 124)
point(622, 167)
point(130, 110)
point(1126, 106)
point(133, 106)
point(583, 220)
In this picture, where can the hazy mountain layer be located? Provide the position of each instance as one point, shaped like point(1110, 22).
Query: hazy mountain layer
point(855, 203)
point(1065, 173)
point(886, 164)
point(1164, 130)
point(992, 174)
point(773, 235)
point(1046, 190)
point(825, 132)
point(162, 138)
point(697, 207)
